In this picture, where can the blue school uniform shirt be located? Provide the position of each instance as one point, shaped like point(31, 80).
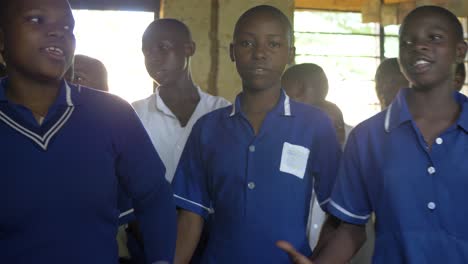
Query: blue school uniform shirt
point(59, 181)
point(257, 186)
point(419, 195)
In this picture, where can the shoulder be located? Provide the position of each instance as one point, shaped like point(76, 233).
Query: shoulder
point(309, 114)
point(213, 102)
point(97, 98)
point(370, 129)
point(143, 104)
point(100, 105)
point(212, 121)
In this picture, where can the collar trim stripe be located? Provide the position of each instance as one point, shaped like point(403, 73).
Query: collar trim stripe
point(42, 141)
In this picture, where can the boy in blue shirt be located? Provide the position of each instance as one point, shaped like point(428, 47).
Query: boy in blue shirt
point(65, 149)
point(254, 164)
point(408, 163)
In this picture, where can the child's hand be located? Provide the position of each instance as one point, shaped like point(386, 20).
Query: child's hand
point(294, 255)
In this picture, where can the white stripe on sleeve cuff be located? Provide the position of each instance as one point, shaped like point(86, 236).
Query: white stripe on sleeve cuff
point(210, 210)
point(346, 212)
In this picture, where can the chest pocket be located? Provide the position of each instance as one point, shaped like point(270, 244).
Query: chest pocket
point(294, 159)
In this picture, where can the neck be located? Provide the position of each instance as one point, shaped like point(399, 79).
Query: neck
point(437, 102)
point(181, 90)
point(38, 96)
point(260, 101)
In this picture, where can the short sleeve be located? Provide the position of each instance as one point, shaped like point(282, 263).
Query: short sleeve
point(349, 201)
point(190, 184)
point(325, 161)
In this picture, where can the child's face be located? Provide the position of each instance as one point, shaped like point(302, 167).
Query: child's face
point(302, 93)
point(261, 51)
point(90, 73)
point(166, 53)
point(391, 84)
point(429, 50)
point(37, 39)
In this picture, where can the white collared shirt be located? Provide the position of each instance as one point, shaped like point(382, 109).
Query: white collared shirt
point(164, 129)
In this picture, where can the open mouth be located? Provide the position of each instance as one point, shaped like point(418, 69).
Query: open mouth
point(55, 52)
point(421, 65)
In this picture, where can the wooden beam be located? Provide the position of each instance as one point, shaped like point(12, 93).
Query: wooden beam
point(127, 5)
point(396, 1)
point(334, 5)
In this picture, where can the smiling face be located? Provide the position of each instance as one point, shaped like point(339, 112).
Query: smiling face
point(167, 48)
point(261, 50)
point(430, 48)
point(37, 38)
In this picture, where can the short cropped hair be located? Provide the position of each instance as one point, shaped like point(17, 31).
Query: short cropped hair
point(456, 24)
point(179, 26)
point(271, 10)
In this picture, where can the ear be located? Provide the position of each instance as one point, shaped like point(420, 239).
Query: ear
point(231, 52)
point(292, 55)
point(461, 50)
point(190, 49)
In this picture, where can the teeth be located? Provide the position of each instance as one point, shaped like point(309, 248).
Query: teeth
point(420, 62)
point(55, 50)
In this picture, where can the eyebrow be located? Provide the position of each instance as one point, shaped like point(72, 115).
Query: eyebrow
point(254, 34)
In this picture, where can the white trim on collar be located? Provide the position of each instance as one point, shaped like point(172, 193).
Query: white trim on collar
point(43, 141)
point(68, 94)
point(233, 112)
point(387, 118)
point(287, 105)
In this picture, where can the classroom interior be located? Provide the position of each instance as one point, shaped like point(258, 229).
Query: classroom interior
point(347, 38)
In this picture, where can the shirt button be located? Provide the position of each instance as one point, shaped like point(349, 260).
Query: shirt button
point(439, 141)
point(431, 170)
point(315, 226)
point(431, 205)
point(252, 148)
point(251, 185)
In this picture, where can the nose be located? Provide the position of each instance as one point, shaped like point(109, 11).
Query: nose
point(57, 31)
point(420, 44)
point(259, 52)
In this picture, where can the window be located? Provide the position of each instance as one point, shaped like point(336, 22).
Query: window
point(349, 52)
point(114, 37)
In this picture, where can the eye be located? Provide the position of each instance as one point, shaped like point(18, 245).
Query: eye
point(246, 43)
point(435, 37)
point(274, 44)
point(164, 46)
point(34, 19)
point(406, 42)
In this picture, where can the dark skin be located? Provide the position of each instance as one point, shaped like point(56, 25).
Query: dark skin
point(435, 49)
point(429, 51)
point(90, 73)
point(261, 50)
point(167, 54)
point(37, 43)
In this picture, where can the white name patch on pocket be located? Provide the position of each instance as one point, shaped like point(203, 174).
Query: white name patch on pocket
point(294, 159)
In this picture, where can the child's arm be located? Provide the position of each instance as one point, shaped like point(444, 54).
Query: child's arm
point(189, 226)
point(191, 192)
point(346, 241)
point(141, 175)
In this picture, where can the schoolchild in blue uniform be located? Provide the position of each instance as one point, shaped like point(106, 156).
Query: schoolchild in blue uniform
point(65, 149)
point(408, 163)
point(254, 164)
